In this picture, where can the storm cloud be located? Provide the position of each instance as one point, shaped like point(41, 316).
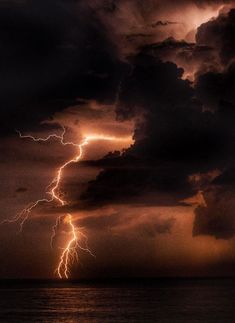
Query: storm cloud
point(161, 72)
point(51, 55)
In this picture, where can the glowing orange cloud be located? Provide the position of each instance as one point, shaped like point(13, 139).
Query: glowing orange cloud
point(69, 253)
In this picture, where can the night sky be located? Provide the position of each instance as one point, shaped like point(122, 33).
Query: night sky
point(158, 79)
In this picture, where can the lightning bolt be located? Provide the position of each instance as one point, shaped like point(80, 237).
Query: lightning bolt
point(70, 251)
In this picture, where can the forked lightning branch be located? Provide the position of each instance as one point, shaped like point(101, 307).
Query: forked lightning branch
point(77, 239)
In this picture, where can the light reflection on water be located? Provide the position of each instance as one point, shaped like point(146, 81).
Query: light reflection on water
point(168, 301)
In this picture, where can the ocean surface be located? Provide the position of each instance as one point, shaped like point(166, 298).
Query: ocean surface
point(168, 300)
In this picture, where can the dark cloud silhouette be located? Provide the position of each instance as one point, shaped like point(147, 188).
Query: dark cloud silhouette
point(193, 58)
point(212, 51)
point(217, 218)
point(176, 138)
point(52, 54)
point(187, 129)
point(219, 34)
point(217, 89)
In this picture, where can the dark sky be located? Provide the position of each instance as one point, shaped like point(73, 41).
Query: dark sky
point(152, 84)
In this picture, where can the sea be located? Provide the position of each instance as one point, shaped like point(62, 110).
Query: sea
point(161, 300)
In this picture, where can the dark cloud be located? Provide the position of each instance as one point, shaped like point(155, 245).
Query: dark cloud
point(216, 91)
point(178, 131)
point(193, 58)
point(212, 50)
point(123, 185)
point(219, 34)
point(217, 218)
point(175, 139)
point(166, 46)
point(227, 178)
point(51, 54)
